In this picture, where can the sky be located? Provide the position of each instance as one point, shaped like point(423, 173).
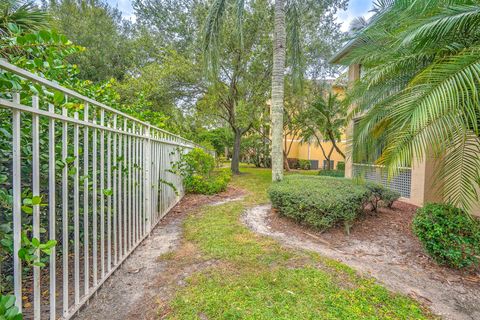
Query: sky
point(356, 8)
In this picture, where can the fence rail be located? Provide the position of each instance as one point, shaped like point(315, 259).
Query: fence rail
point(401, 182)
point(92, 178)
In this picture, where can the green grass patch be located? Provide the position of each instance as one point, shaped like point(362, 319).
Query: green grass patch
point(304, 293)
point(256, 278)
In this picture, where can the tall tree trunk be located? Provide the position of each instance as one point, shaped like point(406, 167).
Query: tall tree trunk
point(235, 165)
point(278, 76)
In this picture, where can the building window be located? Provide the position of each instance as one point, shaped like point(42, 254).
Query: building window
point(325, 164)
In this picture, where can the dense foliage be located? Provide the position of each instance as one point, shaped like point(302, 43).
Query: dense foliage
point(332, 173)
point(380, 196)
point(323, 202)
point(197, 169)
point(324, 119)
point(449, 235)
point(339, 172)
point(304, 164)
point(8, 310)
point(98, 27)
point(420, 82)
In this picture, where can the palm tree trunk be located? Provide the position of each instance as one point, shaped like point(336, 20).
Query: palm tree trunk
point(278, 90)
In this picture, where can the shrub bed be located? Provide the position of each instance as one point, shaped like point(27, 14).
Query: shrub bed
point(449, 235)
point(323, 202)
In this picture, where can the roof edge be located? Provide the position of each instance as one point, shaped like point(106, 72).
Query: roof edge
point(339, 55)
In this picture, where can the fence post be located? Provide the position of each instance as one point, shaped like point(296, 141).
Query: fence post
point(147, 179)
point(17, 202)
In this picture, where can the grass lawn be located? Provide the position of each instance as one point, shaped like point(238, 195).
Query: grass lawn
point(255, 278)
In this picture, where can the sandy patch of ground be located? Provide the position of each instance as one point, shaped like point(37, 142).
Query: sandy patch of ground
point(384, 247)
point(146, 279)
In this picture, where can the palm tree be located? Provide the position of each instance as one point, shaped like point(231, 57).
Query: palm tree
point(419, 90)
point(24, 14)
point(278, 85)
point(324, 119)
point(288, 15)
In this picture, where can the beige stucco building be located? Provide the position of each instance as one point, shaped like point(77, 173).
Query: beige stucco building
point(416, 183)
point(302, 150)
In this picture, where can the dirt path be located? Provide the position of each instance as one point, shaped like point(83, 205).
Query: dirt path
point(448, 294)
point(132, 292)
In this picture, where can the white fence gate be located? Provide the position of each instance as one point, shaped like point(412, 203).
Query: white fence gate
point(94, 179)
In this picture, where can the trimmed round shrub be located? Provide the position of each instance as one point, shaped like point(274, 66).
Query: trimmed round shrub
point(321, 202)
point(449, 235)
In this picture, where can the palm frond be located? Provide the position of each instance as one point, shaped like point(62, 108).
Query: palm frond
point(294, 30)
point(453, 20)
point(24, 14)
point(419, 94)
point(211, 33)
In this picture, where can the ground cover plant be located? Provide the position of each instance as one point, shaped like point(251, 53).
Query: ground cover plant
point(255, 278)
point(449, 235)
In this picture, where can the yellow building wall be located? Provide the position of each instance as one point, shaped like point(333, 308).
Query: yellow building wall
point(312, 151)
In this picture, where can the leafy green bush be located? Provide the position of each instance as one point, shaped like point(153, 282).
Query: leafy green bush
point(304, 164)
point(449, 235)
point(212, 184)
point(197, 161)
point(381, 196)
point(8, 310)
point(321, 202)
point(332, 173)
point(197, 170)
point(341, 166)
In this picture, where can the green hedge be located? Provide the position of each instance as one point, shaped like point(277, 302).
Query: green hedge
point(332, 173)
point(321, 202)
point(449, 235)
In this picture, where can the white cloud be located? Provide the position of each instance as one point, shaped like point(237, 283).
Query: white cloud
point(356, 8)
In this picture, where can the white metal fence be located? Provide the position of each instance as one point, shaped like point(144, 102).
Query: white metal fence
point(104, 182)
point(374, 173)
